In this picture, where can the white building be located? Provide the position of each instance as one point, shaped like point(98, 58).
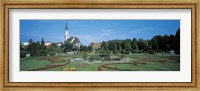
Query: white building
point(59, 44)
point(25, 43)
point(73, 40)
point(48, 43)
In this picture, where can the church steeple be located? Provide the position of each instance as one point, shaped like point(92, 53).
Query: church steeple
point(66, 27)
point(66, 32)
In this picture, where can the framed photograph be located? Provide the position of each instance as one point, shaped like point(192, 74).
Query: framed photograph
point(100, 45)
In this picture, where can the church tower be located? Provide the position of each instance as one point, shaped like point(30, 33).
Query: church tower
point(66, 32)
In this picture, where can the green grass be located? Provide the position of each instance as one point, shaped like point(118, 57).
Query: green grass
point(150, 66)
point(90, 67)
point(31, 63)
point(170, 65)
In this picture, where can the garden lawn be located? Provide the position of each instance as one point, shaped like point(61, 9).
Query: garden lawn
point(89, 67)
point(31, 63)
point(150, 66)
point(171, 63)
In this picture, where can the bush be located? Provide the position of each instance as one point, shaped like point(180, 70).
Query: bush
point(122, 56)
point(94, 57)
point(103, 52)
point(151, 51)
point(107, 57)
point(123, 51)
point(85, 55)
point(115, 51)
point(23, 54)
point(43, 52)
point(108, 51)
point(52, 53)
point(139, 51)
point(135, 51)
point(159, 50)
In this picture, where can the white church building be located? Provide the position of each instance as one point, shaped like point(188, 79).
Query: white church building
point(74, 40)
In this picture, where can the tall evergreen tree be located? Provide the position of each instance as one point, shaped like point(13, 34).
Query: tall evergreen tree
point(30, 41)
point(42, 45)
point(103, 46)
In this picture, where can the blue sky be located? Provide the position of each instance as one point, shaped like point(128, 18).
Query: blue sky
point(95, 30)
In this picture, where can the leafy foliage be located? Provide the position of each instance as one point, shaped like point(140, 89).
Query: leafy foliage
point(35, 50)
point(23, 54)
point(94, 57)
point(157, 44)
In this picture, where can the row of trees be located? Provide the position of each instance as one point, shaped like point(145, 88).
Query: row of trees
point(156, 44)
point(39, 49)
point(68, 47)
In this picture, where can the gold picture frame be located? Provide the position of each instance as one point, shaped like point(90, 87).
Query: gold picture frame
point(153, 86)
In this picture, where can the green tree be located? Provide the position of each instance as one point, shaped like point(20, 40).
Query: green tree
point(68, 47)
point(156, 42)
point(134, 45)
point(42, 45)
point(103, 52)
point(29, 45)
point(76, 48)
point(127, 46)
point(30, 41)
point(104, 46)
point(142, 45)
point(97, 50)
point(83, 48)
point(54, 45)
point(115, 49)
point(23, 53)
point(119, 47)
point(177, 42)
point(52, 51)
point(43, 52)
point(21, 47)
point(35, 50)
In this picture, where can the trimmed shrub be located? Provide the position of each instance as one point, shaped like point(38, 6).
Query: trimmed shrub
point(23, 54)
point(43, 52)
